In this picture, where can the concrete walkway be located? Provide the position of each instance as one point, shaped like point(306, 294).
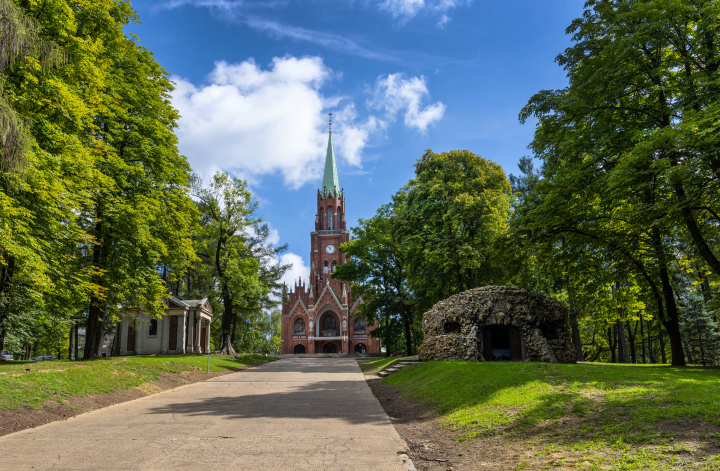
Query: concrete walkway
point(305, 413)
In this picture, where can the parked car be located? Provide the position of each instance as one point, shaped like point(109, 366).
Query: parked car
point(6, 355)
point(45, 357)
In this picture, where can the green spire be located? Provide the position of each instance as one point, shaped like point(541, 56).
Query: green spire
point(330, 184)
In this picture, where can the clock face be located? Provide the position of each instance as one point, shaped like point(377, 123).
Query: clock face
point(330, 248)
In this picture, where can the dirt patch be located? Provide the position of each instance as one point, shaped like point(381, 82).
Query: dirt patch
point(435, 447)
point(14, 420)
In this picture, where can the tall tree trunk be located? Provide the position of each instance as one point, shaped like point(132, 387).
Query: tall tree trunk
point(226, 345)
point(623, 351)
point(651, 353)
point(77, 338)
point(700, 339)
point(408, 340)
point(661, 338)
point(7, 271)
point(100, 335)
point(579, 355)
point(612, 342)
point(631, 335)
point(671, 321)
point(577, 341)
point(95, 329)
point(3, 331)
point(642, 339)
point(70, 343)
point(387, 329)
point(233, 329)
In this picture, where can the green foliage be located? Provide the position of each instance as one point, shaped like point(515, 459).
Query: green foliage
point(701, 333)
point(103, 198)
point(377, 269)
point(630, 166)
point(457, 208)
point(438, 237)
point(235, 254)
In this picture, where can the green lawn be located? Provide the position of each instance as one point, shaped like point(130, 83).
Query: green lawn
point(31, 384)
point(374, 365)
point(610, 416)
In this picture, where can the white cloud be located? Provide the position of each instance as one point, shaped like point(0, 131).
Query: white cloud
point(298, 270)
point(405, 10)
point(255, 122)
point(353, 136)
point(237, 10)
point(395, 94)
point(329, 40)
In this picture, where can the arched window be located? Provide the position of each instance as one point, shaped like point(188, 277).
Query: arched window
point(334, 266)
point(360, 326)
point(299, 326)
point(338, 225)
point(322, 218)
point(330, 219)
point(326, 267)
point(329, 326)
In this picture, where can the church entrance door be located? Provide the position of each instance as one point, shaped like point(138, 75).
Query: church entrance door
point(329, 348)
point(299, 349)
point(360, 348)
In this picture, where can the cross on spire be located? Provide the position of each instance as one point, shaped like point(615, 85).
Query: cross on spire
point(330, 114)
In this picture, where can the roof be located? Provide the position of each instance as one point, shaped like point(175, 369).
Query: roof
point(330, 183)
point(194, 303)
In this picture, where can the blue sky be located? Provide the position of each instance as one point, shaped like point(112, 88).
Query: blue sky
point(255, 80)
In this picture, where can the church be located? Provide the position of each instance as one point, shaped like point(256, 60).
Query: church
point(317, 317)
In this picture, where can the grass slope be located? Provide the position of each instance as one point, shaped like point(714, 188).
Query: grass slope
point(30, 384)
point(601, 416)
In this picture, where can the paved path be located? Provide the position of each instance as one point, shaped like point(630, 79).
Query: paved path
point(294, 413)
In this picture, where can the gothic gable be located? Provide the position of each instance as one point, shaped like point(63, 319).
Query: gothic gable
point(299, 307)
point(328, 297)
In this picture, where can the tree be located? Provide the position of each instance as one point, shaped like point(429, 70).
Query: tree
point(21, 43)
point(457, 209)
point(46, 163)
point(643, 90)
point(227, 212)
point(376, 268)
point(701, 332)
point(626, 149)
point(141, 215)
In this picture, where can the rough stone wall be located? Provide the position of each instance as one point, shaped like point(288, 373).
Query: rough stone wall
point(543, 323)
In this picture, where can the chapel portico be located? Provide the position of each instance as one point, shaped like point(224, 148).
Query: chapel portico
point(318, 317)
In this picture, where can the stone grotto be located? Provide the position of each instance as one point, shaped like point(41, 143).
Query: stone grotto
point(498, 323)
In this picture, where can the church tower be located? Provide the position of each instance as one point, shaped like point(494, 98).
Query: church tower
point(317, 317)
